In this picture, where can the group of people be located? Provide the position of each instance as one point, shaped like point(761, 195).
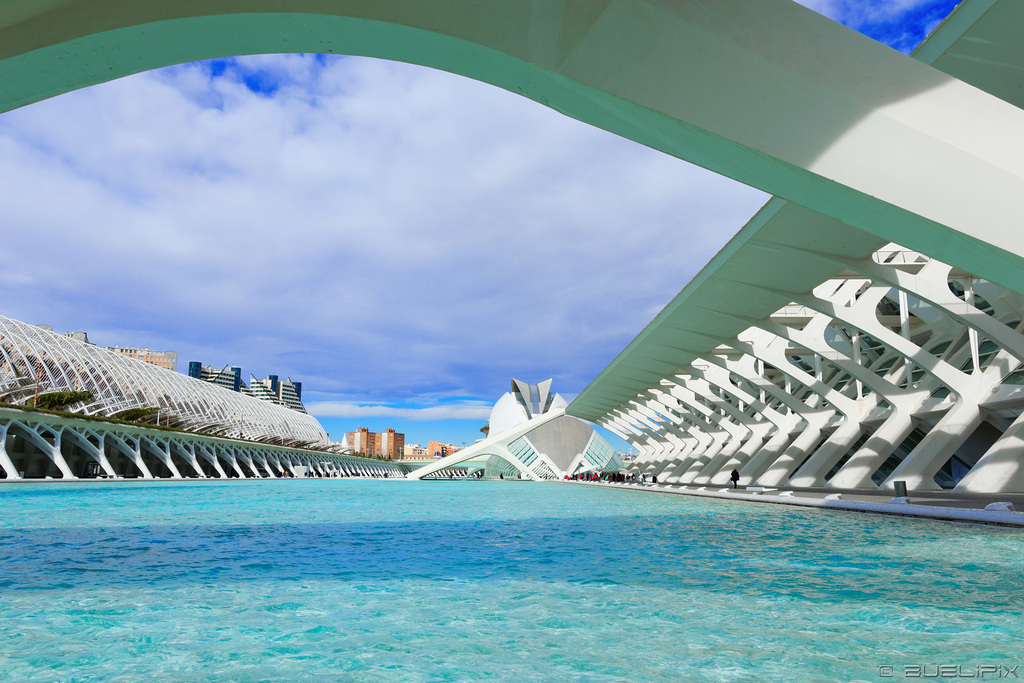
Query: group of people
point(583, 476)
point(610, 477)
point(619, 477)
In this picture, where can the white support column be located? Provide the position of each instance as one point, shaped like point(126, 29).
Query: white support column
point(52, 451)
point(931, 453)
point(750, 367)
point(209, 454)
point(657, 444)
point(617, 425)
point(289, 462)
point(246, 459)
point(728, 437)
point(228, 454)
point(1001, 469)
point(614, 422)
point(97, 453)
point(674, 430)
point(273, 464)
point(858, 361)
point(905, 332)
point(132, 450)
point(928, 283)
point(972, 333)
point(675, 456)
point(187, 453)
point(162, 450)
point(666, 459)
point(928, 457)
point(260, 460)
point(748, 435)
point(652, 452)
point(58, 457)
point(763, 345)
point(718, 375)
point(5, 460)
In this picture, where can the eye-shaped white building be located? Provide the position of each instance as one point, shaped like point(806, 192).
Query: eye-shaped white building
point(531, 437)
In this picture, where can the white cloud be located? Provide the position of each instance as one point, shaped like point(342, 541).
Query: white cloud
point(473, 410)
point(376, 230)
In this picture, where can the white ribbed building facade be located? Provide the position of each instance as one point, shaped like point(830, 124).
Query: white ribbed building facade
point(898, 368)
point(854, 352)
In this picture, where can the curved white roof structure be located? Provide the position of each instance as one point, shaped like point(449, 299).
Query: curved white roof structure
point(813, 352)
point(29, 354)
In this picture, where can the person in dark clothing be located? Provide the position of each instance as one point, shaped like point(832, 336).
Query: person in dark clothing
point(735, 478)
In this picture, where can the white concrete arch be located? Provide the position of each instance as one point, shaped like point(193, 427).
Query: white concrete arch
point(881, 145)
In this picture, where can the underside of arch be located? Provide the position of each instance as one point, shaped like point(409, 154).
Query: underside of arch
point(768, 92)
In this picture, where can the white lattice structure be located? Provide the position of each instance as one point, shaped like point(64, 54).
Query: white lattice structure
point(33, 360)
point(67, 447)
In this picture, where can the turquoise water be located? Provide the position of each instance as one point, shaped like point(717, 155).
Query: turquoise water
point(293, 580)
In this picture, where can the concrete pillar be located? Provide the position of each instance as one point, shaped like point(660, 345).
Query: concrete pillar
point(161, 450)
point(187, 453)
point(5, 460)
point(132, 451)
point(1001, 469)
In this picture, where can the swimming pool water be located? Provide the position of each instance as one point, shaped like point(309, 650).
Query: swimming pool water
point(324, 580)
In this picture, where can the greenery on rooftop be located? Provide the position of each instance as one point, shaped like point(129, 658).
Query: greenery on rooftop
point(136, 414)
point(57, 400)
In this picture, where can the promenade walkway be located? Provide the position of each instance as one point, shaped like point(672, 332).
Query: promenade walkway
point(938, 505)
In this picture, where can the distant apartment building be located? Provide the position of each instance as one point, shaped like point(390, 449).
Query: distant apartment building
point(167, 360)
point(436, 449)
point(284, 393)
point(228, 377)
point(433, 449)
point(387, 444)
point(392, 444)
point(414, 451)
point(361, 441)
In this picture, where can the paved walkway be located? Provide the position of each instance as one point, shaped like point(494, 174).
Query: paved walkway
point(942, 505)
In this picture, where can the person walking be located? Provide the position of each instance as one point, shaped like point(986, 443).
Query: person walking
point(735, 478)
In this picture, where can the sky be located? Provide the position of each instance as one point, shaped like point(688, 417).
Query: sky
point(401, 240)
